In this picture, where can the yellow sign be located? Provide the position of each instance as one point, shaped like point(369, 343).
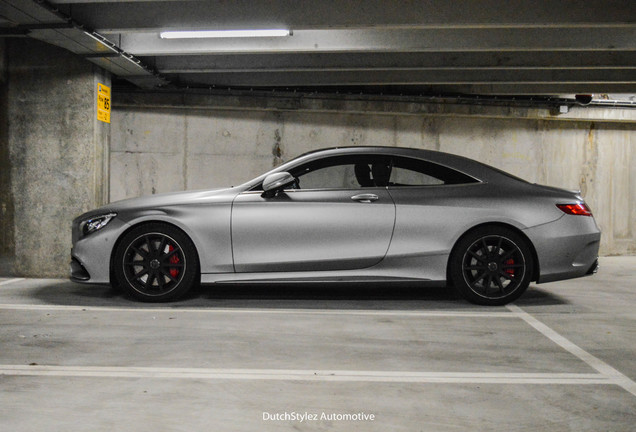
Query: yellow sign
point(103, 103)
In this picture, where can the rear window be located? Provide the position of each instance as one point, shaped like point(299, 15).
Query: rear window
point(416, 172)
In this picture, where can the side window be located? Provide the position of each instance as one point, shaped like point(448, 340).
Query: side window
point(416, 172)
point(330, 177)
point(342, 172)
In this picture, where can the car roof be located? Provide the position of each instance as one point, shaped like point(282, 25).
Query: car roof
point(468, 166)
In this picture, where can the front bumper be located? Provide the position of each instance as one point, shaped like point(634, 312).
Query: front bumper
point(78, 272)
point(91, 254)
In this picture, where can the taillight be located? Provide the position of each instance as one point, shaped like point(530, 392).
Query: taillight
point(580, 209)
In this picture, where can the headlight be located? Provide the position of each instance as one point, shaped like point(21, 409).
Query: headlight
point(96, 223)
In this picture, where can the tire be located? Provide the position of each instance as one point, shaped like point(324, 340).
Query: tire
point(156, 262)
point(491, 266)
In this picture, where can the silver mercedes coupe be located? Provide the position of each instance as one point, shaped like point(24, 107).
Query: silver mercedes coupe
point(363, 214)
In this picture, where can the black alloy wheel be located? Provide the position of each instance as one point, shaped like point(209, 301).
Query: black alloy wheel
point(491, 266)
point(156, 262)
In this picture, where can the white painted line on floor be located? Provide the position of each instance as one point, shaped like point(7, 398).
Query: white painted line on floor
point(306, 375)
point(606, 370)
point(7, 282)
point(365, 312)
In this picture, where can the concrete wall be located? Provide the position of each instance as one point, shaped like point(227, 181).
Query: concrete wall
point(56, 161)
point(57, 152)
point(160, 144)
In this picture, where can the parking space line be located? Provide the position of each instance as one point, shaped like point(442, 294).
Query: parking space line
point(603, 368)
point(364, 312)
point(7, 282)
point(306, 375)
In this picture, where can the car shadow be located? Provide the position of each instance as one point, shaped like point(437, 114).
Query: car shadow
point(376, 296)
point(536, 296)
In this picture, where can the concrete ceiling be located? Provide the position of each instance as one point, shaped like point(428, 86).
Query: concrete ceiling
point(509, 47)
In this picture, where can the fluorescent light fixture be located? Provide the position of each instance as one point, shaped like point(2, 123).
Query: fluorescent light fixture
point(223, 34)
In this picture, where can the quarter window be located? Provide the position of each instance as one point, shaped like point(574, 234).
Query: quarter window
point(415, 172)
point(408, 177)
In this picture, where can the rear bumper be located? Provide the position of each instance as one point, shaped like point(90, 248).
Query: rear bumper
point(566, 248)
point(593, 269)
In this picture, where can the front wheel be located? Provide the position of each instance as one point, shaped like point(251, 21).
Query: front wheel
point(491, 266)
point(156, 262)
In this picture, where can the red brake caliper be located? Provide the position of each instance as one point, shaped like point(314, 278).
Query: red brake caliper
point(510, 271)
point(174, 259)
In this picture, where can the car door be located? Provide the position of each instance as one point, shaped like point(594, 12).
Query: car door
point(337, 219)
point(433, 205)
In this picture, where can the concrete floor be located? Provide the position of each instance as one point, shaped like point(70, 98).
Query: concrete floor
point(82, 358)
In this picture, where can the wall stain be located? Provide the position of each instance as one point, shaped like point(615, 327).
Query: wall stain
point(277, 150)
point(590, 162)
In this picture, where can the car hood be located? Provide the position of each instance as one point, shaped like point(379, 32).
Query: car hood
point(163, 200)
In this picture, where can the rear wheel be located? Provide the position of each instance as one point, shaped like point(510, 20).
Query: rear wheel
point(156, 262)
point(491, 266)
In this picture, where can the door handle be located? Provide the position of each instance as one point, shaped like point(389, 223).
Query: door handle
point(365, 198)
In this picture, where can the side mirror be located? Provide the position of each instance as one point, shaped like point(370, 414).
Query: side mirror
point(277, 182)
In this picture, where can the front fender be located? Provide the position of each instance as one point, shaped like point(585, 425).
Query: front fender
point(208, 226)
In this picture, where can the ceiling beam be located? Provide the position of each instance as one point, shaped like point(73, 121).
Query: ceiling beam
point(40, 20)
point(529, 89)
point(310, 14)
point(507, 89)
point(73, 39)
point(362, 61)
point(28, 12)
point(383, 40)
point(478, 46)
point(419, 77)
point(527, 108)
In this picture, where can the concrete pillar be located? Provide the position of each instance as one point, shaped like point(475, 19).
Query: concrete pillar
point(58, 152)
point(7, 245)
